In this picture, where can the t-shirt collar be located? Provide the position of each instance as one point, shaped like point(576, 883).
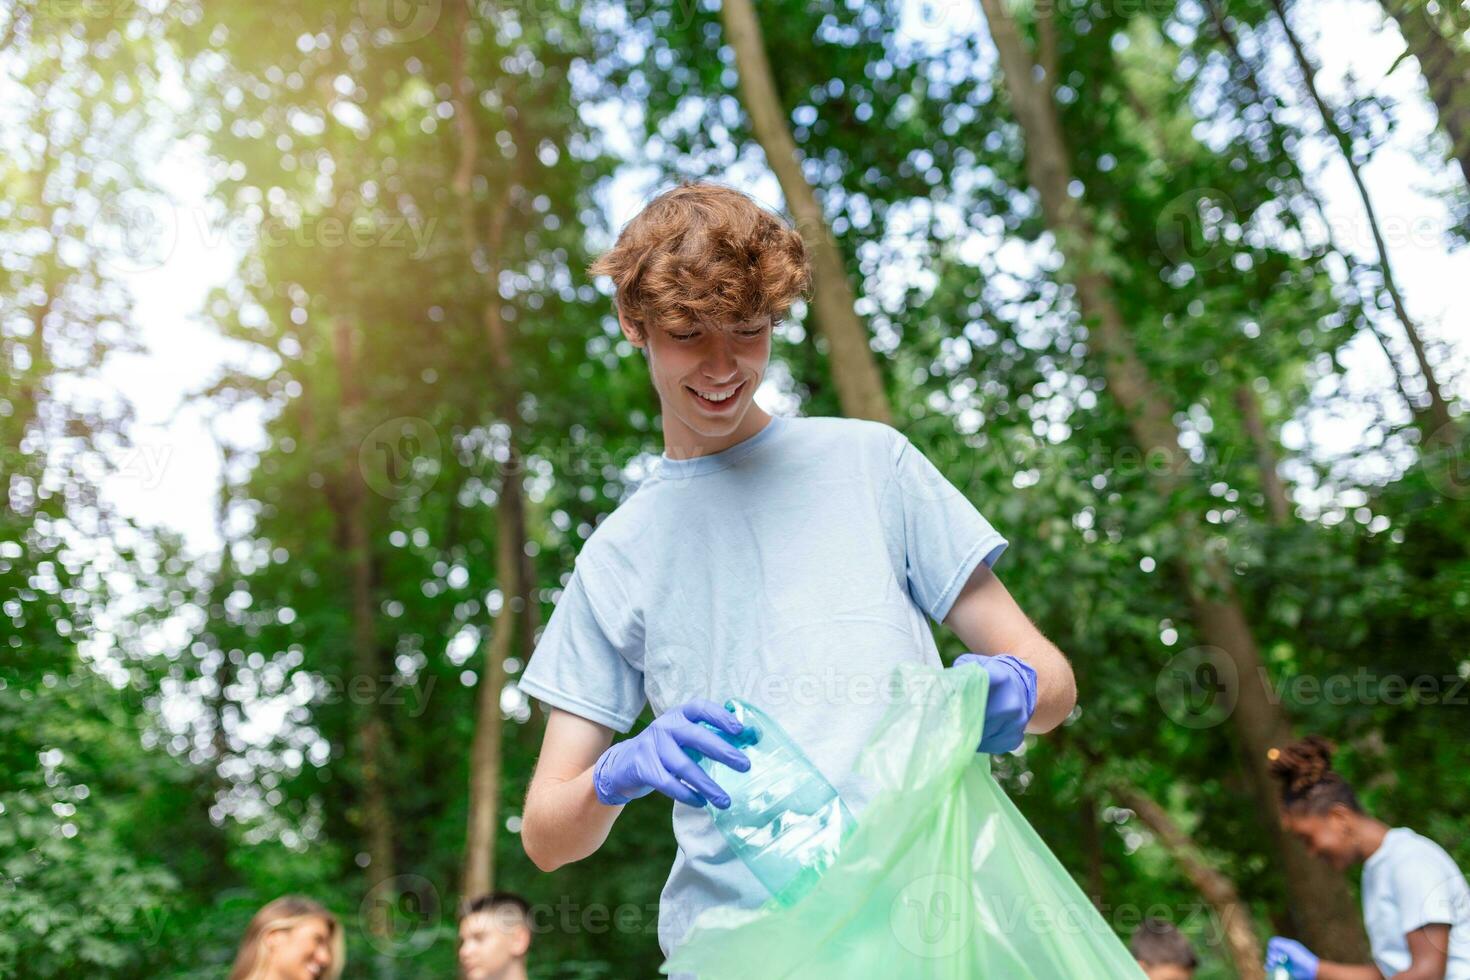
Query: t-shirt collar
point(676, 469)
point(1390, 840)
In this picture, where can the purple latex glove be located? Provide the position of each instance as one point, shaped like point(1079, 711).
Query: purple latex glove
point(1010, 704)
point(1293, 955)
point(655, 759)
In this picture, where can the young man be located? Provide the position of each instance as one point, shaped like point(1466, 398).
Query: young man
point(787, 561)
point(1162, 951)
point(494, 935)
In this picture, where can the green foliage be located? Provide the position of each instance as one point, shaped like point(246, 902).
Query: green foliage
point(180, 736)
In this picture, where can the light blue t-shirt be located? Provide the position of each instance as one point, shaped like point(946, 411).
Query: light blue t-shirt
point(1408, 883)
point(793, 570)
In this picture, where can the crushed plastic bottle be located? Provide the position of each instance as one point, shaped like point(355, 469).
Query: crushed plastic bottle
point(784, 821)
point(1282, 972)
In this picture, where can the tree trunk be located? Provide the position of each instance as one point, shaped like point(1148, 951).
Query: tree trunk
point(1278, 504)
point(1435, 416)
point(854, 369)
point(513, 567)
point(1444, 67)
point(1333, 926)
point(485, 753)
point(1214, 887)
point(372, 733)
point(485, 756)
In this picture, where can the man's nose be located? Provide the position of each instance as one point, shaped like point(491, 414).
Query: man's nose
point(719, 358)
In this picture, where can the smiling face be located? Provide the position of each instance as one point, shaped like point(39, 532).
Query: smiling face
point(706, 377)
point(1329, 836)
point(301, 952)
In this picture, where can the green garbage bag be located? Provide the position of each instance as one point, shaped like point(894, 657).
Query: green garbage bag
point(942, 877)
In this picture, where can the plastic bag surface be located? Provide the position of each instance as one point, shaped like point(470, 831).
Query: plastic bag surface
point(942, 878)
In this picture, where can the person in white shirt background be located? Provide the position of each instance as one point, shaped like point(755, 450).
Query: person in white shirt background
point(1416, 904)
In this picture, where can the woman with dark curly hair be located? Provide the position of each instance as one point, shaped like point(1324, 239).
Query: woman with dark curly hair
point(1416, 904)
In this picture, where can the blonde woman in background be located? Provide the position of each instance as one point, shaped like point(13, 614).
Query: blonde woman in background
point(291, 938)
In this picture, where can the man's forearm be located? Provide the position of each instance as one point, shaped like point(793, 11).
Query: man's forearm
point(988, 621)
point(564, 821)
point(1056, 687)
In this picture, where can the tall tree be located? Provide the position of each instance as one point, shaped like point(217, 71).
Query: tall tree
point(510, 567)
point(1219, 616)
point(1436, 38)
point(854, 370)
point(351, 512)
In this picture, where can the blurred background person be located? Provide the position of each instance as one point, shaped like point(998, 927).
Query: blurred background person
point(1163, 952)
point(291, 938)
point(1416, 904)
point(494, 937)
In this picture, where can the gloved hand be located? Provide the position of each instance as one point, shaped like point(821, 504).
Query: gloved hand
point(1010, 704)
point(1293, 955)
point(655, 758)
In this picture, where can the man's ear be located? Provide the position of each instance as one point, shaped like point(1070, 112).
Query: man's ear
point(629, 330)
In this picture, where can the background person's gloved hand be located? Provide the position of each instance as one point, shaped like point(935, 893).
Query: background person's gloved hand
point(1010, 704)
point(1293, 955)
point(655, 759)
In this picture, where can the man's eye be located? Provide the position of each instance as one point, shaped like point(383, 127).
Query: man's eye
point(682, 336)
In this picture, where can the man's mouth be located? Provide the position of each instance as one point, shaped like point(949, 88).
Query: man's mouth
point(715, 398)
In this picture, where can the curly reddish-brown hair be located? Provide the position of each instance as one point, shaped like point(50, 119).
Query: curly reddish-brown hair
point(703, 253)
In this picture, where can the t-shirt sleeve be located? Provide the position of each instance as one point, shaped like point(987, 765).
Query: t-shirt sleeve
point(584, 662)
point(944, 536)
point(1423, 888)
